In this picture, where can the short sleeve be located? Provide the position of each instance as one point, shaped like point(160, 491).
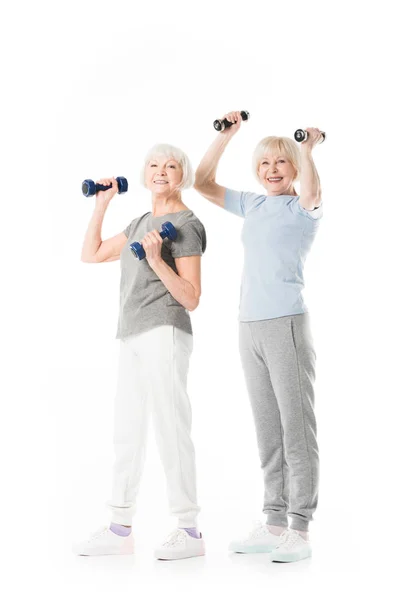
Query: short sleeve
point(127, 230)
point(239, 203)
point(191, 240)
point(310, 214)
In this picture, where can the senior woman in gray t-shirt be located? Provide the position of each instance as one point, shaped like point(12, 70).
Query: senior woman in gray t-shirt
point(156, 342)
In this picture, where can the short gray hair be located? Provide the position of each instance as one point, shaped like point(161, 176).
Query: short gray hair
point(168, 151)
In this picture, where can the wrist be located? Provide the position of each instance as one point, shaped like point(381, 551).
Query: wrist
point(305, 149)
point(102, 206)
point(228, 133)
point(155, 261)
point(224, 137)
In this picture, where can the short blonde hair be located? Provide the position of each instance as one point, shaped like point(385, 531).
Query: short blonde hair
point(277, 146)
point(168, 151)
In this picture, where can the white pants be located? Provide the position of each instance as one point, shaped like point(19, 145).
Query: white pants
point(153, 368)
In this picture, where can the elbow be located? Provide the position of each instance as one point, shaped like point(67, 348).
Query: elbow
point(194, 304)
point(311, 202)
point(200, 183)
point(197, 185)
point(88, 259)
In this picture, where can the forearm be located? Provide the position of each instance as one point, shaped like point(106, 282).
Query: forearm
point(179, 288)
point(207, 169)
point(309, 180)
point(92, 241)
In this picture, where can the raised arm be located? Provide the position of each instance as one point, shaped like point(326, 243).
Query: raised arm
point(310, 186)
point(206, 172)
point(94, 249)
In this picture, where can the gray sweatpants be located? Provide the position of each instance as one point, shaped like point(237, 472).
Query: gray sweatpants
point(279, 366)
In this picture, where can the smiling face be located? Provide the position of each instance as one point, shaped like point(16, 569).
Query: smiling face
point(163, 175)
point(276, 174)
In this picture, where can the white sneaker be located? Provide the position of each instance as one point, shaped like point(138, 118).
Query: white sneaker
point(260, 539)
point(104, 541)
point(291, 547)
point(179, 544)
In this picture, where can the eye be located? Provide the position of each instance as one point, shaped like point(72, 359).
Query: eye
point(172, 166)
point(264, 162)
point(153, 165)
point(281, 160)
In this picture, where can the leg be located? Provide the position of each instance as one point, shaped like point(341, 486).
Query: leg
point(168, 353)
point(268, 428)
point(130, 432)
point(291, 359)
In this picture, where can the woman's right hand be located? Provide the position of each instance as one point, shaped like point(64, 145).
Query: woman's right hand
point(234, 117)
point(104, 197)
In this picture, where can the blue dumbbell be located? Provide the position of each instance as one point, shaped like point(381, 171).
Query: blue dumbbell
point(300, 135)
point(168, 231)
point(90, 188)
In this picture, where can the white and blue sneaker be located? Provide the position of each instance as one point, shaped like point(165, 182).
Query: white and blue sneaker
point(291, 547)
point(260, 539)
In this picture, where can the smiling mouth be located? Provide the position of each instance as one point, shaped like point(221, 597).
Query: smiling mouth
point(161, 181)
point(275, 179)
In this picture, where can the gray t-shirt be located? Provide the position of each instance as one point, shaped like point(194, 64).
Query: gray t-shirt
point(145, 302)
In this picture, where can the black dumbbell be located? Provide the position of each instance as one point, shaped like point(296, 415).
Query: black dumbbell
point(168, 231)
point(221, 125)
point(300, 135)
point(90, 188)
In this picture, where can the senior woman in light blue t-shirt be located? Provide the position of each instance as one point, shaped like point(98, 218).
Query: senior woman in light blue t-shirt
point(275, 341)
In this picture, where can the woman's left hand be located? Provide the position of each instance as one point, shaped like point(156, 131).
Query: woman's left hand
point(313, 138)
point(152, 243)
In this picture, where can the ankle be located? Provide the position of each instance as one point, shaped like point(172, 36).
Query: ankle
point(192, 531)
point(276, 529)
point(304, 534)
point(123, 530)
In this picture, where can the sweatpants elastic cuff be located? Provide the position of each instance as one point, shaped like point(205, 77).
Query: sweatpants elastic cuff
point(299, 524)
point(121, 517)
point(121, 521)
point(186, 524)
point(277, 520)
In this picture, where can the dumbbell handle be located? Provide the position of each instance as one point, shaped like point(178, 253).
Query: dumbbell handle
point(224, 124)
point(163, 234)
point(100, 187)
point(90, 188)
point(300, 135)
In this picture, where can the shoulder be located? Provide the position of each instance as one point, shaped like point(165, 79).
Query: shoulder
point(131, 228)
point(188, 219)
point(191, 231)
point(312, 215)
point(139, 219)
point(240, 203)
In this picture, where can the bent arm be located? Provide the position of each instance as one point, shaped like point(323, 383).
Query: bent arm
point(310, 194)
point(185, 286)
point(206, 172)
point(94, 249)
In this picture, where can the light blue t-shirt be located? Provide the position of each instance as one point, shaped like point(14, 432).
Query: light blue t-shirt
point(277, 235)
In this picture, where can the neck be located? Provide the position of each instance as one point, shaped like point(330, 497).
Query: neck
point(162, 205)
point(290, 192)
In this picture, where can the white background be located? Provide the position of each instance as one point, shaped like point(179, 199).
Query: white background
point(89, 87)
